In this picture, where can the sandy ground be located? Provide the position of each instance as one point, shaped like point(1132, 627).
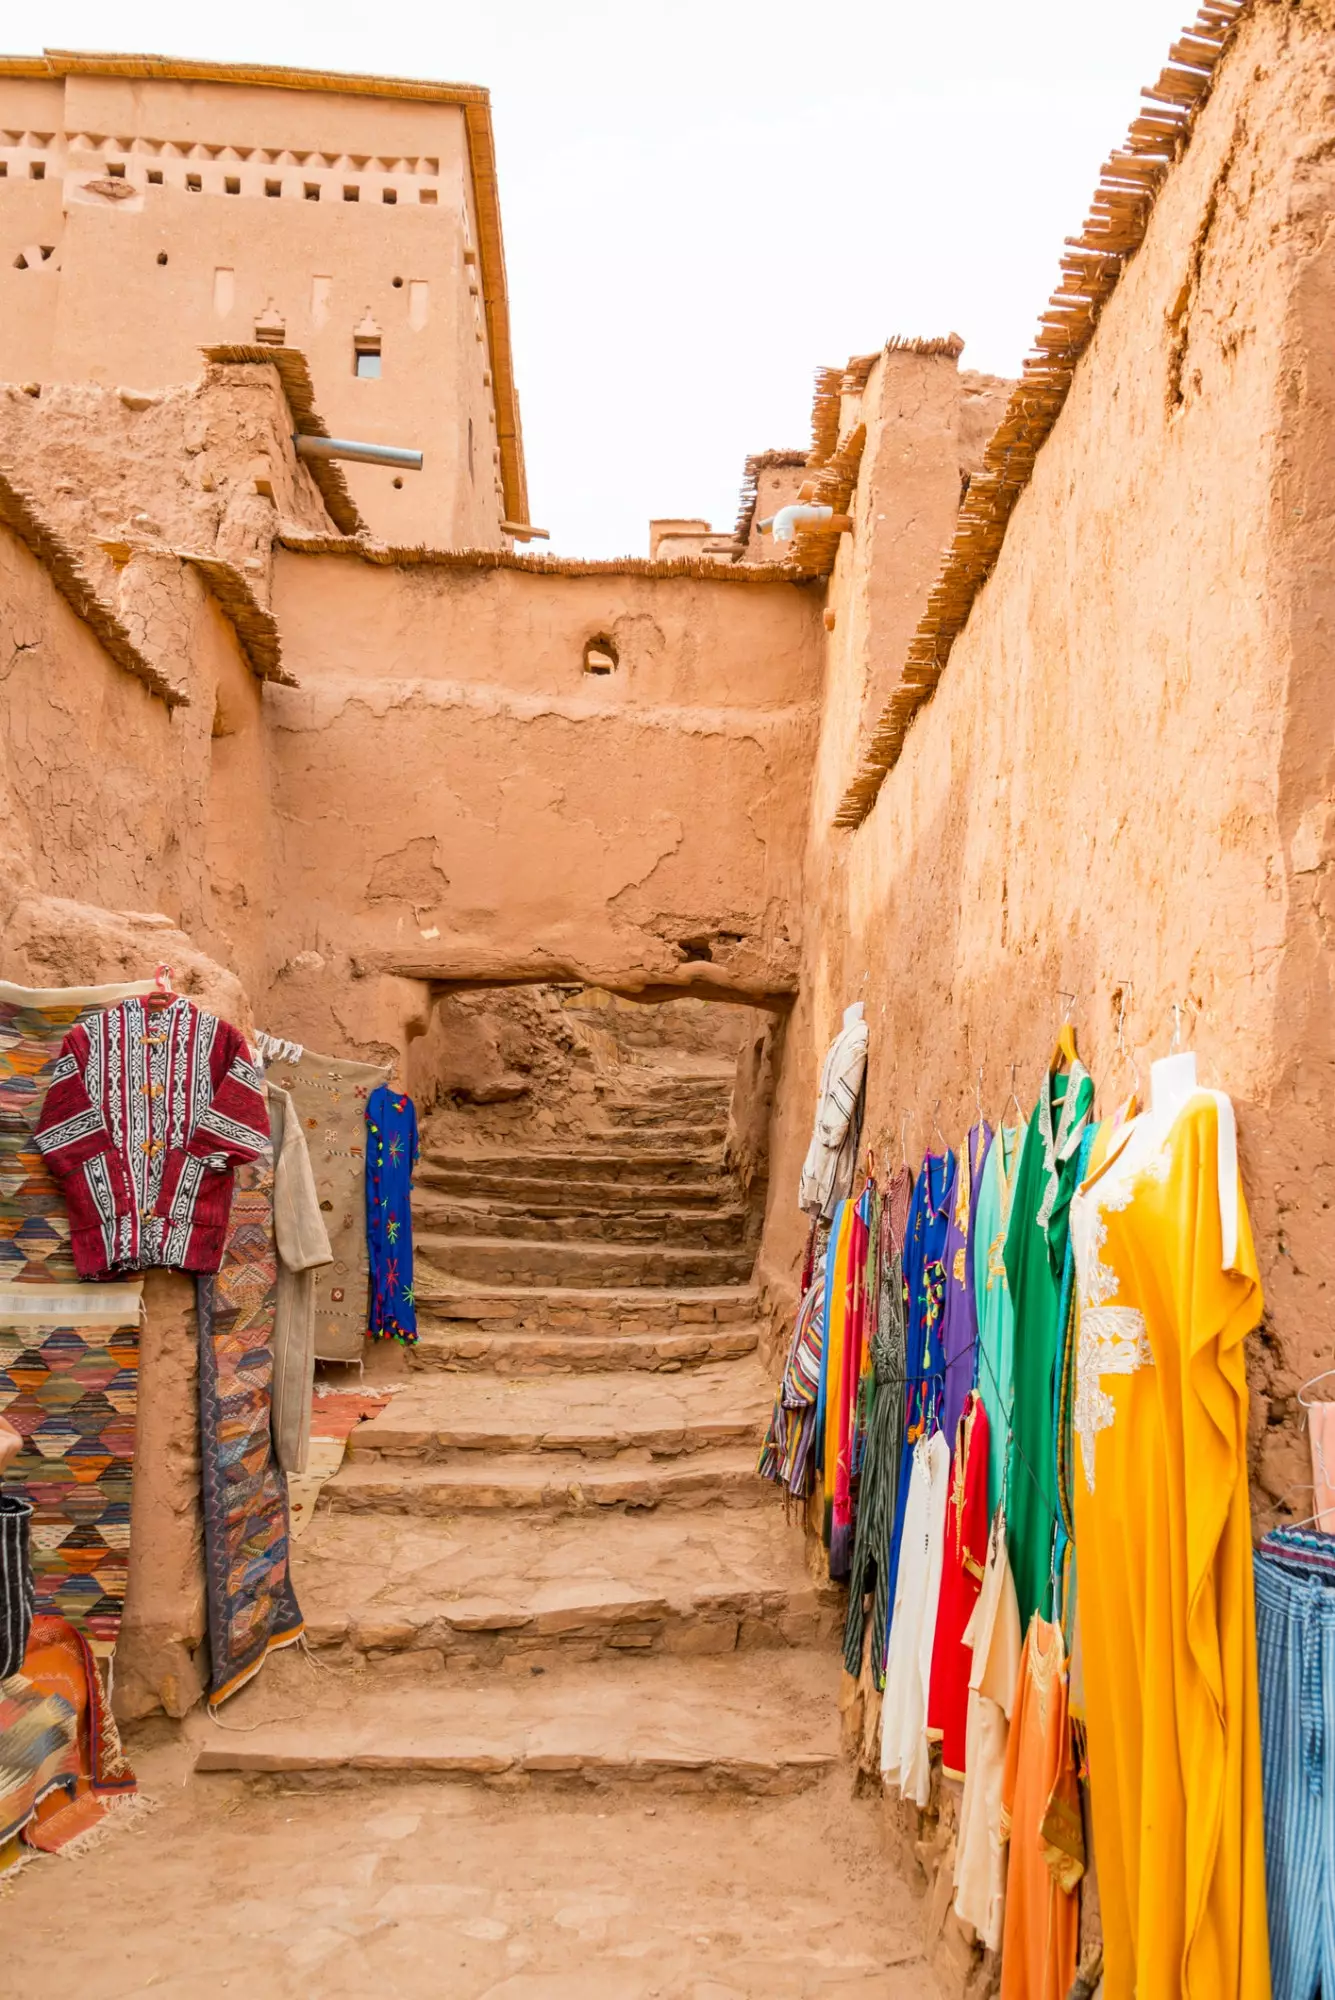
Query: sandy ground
point(423, 1889)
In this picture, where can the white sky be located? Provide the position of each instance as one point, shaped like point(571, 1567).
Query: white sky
point(705, 199)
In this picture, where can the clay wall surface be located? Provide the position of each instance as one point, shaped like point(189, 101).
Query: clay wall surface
point(129, 278)
point(460, 802)
point(1125, 780)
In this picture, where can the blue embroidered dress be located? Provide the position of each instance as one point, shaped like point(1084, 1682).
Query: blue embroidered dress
point(924, 1308)
point(391, 1155)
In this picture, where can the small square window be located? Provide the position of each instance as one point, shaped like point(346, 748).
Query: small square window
point(312, 190)
point(37, 170)
point(193, 184)
point(389, 194)
point(428, 195)
point(4, 168)
point(116, 168)
point(366, 362)
point(352, 193)
point(273, 187)
point(232, 184)
point(155, 177)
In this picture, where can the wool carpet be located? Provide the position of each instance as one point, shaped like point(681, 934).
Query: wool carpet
point(251, 1604)
point(60, 1665)
point(39, 1751)
point(330, 1098)
point(69, 1354)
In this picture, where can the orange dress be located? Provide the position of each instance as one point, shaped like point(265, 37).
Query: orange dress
point(1041, 1820)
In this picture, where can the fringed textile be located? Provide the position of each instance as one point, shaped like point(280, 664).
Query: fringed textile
point(252, 1607)
point(787, 1454)
point(59, 1663)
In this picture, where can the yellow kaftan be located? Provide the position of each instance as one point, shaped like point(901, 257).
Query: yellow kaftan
point(1167, 1290)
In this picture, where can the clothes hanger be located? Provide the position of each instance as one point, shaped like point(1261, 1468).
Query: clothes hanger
point(1121, 1055)
point(162, 994)
point(1065, 1050)
point(1012, 1099)
point(936, 1127)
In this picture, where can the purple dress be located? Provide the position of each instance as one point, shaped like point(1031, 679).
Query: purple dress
point(391, 1155)
point(959, 1334)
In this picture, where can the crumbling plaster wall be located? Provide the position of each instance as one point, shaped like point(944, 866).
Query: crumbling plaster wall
point(1125, 779)
point(459, 801)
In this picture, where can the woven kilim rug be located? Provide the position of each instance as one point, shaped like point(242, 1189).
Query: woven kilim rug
point(59, 1664)
point(39, 1750)
point(330, 1098)
point(252, 1608)
point(69, 1353)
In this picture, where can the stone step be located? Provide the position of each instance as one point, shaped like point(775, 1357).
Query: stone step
point(759, 1723)
point(548, 1482)
point(546, 1196)
point(574, 1309)
point(723, 1403)
point(496, 1261)
point(482, 1349)
point(449, 1215)
point(510, 1592)
point(694, 1162)
point(633, 1114)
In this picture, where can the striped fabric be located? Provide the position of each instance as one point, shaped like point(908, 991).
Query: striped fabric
point(1295, 1643)
point(17, 1600)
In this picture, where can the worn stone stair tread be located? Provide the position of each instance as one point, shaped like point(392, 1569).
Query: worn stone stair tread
point(751, 1721)
point(565, 1196)
point(549, 1482)
point(606, 1161)
point(507, 1260)
point(462, 1350)
point(723, 1403)
point(494, 1584)
point(722, 1227)
point(509, 1301)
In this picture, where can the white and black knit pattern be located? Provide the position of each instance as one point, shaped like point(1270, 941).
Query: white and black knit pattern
point(17, 1601)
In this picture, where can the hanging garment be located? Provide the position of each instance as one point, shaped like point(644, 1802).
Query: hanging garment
point(1041, 1826)
point(856, 1357)
point(788, 1453)
point(1093, 1143)
point(959, 1325)
point(34, 1222)
point(832, 1156)
point(993, 1637)
point(251, 1604)
point(870, 1572)
point(391, 1155)
point(1034, 1254)
point(924, 1306)
point(18, 1599)
point(150, 1111)
point(302, 1242)
point(1167, 1290)
point(1304, 1551)
point(1295, 1644)
point(961, 1580)
point(329, 1096)
point(996, 1317)
point(832, 1359)
point(905, 1757)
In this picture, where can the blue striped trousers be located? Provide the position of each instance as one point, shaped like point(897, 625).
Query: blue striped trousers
point(1295, 1643)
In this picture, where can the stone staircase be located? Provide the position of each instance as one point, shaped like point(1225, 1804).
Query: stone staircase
point(550, 1558)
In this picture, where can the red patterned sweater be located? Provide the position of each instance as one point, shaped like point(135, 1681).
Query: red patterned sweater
point(149, 1111)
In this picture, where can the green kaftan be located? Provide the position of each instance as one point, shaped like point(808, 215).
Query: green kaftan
point(1035, 1252)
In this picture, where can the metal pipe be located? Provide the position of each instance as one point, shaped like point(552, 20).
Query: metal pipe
point(367, 454)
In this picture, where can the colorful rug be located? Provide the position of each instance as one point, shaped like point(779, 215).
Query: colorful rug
point(69, 1384)
point(335, 1414)
point(252, 1609)
point(59, 1664)
point(330, 1098)
point(39, 1750)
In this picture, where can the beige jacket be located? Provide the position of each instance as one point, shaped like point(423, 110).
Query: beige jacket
point(303, 1247)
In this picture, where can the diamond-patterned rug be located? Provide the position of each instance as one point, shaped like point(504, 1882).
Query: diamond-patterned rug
point(69, 1353)
point(252, 1607)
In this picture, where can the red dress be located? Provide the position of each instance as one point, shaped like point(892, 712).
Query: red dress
point(961, 1581)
